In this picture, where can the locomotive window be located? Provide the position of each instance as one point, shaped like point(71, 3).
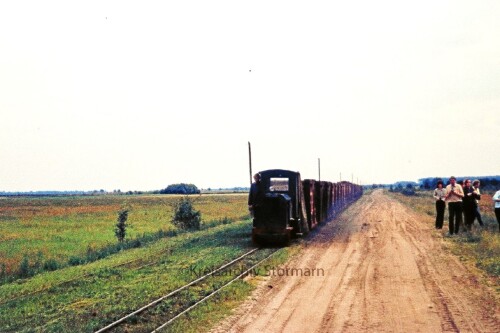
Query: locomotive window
point(278, 185)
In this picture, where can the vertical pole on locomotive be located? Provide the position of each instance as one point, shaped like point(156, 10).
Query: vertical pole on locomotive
point(319, 169)
point(250, 161)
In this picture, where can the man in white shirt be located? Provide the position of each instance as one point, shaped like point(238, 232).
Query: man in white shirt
point(454, 195)
point(496, 200)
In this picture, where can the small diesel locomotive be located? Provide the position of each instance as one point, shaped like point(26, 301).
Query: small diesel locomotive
point(285, 206)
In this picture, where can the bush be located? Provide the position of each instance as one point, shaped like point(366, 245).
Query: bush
point(24, 268)
point(185, 217)
point(75, 261)
point(408, 192)
point(121, 227)
point(51, 265)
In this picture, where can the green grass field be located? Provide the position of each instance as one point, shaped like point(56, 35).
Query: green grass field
point(44, 230)
point(86, 297)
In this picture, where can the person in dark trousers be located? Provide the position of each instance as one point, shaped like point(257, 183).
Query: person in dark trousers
point(439, 195)
point(469, 204)
point(476, 183)
point(255, 195)
point(496, 200)
point(454, 195)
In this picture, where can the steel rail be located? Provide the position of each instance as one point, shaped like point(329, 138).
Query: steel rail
point(147, 306)
point(211, 294)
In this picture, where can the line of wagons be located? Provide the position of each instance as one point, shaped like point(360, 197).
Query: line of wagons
point(287, 206)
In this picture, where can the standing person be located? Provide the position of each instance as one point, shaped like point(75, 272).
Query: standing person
point(254, 197)
point(469, 204)
point(454, 195)
point(476, 183)
point(439, 195)
point(496, 200)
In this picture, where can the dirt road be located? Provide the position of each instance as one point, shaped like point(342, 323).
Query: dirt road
point(377, 268)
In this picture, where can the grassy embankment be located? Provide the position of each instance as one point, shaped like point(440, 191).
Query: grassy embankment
point(86, 297)
point(481, 247)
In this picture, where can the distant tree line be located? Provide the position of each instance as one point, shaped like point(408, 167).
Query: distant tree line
point(487, 183)
point(236, 189)
point(68, 193)
point(180, 189)
point(51, 193)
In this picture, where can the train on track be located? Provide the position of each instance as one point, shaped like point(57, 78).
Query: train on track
point(285, 206)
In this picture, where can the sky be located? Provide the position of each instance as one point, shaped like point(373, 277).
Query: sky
point(137, 95)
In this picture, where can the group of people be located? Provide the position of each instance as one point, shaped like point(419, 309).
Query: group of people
point(461, 200)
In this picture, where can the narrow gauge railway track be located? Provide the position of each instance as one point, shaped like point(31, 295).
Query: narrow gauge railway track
point(163, 311)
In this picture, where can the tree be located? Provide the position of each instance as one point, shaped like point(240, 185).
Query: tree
point(180, 189)
point(121, 226)
point(185, 217)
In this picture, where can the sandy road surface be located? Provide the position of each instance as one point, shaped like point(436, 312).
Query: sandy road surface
point(384, 271)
